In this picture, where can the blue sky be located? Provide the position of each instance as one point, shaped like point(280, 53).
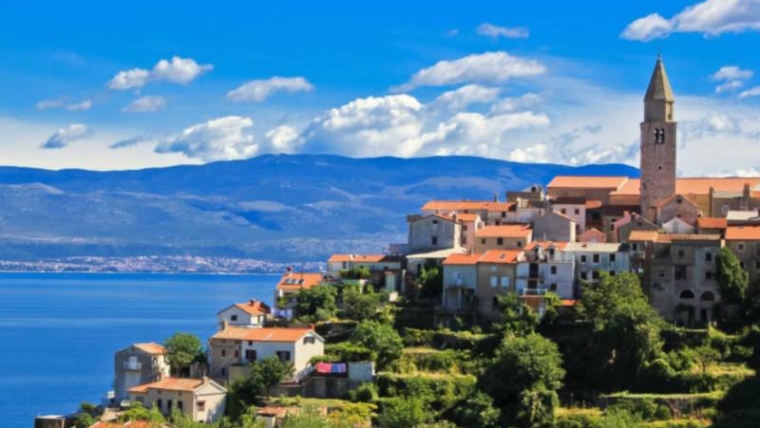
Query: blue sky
point(115, 86)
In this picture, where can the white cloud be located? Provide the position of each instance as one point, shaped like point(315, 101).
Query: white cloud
point(453, 32)
point(48, 104)
point(490, 30)
point(710, 18)
point(728, 86)
point(177, 70)
point(753, 92)
point(131, 142)
point(259, 90)
point(486, 68)
point(514, 103)
point(225, 138)
point(283, 139)
point(81, 106)
point(464, 96)
point(709, 125)
point(148, 103)
point(731, 72)
point(65, 136)
point(739, 172)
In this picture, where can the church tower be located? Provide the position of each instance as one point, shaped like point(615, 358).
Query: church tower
point(658, 143)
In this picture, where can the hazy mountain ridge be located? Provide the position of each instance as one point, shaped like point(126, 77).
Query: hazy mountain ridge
point(273, 207)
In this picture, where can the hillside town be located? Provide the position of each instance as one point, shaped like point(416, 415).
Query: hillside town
point(433, 331)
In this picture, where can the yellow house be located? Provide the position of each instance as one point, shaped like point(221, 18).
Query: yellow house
point(203, 400)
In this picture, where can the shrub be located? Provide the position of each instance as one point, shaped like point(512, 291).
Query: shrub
point(418, 337)
point(365, 393)
point(439, 392)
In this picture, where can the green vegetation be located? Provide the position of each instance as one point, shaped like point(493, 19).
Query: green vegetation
point(317, 303)
point(731, 278)
point(184, 349)
point(381, 339)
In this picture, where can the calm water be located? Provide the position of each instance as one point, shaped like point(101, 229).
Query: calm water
point(58, 332)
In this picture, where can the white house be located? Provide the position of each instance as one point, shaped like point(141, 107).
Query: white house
point(678, 227)
point(546, 269)
point(575, 208)
point(203, 400)
point(234, 348)
point(251, 314)
point(591, 258)
point(373, 262)
point(460, 279)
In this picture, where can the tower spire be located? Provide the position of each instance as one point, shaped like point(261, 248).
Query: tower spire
point(659, 99)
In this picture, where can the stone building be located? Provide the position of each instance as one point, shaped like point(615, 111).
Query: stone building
point(138, 364)
point(433, 232)
point(744, 241)
point(504, 237)
point(202, 400)
point(554, 226)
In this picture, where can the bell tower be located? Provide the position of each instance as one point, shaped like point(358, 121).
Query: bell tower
point(658, 143)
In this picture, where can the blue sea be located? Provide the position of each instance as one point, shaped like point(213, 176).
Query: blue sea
point(59, 332)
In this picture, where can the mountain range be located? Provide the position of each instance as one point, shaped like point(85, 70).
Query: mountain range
point(279, 208)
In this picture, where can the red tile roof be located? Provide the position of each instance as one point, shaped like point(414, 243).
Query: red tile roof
point(545, 244)
point(712, 223)
point(593, 204)
point(500, 256)
point(643, 236)
point(359, 258)
point(743, 233)
point(262, 334)
point(254, 307)
point(462, 259)
point(695, 185)
point(504, 231)
point(151, 348)
point(170, 384)
point(500, 206)
point(299, 280)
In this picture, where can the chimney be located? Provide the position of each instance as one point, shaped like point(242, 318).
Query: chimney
point(312, 327)
point(252, 302)
point(496, 197)
point(288, 271)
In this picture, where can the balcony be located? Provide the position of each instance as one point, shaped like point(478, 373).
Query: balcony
point(539, 291)
point(132, 365)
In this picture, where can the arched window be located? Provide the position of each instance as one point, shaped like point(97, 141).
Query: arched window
point(708, 296)
point(687, 294)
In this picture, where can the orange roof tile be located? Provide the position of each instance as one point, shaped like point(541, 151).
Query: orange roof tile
point(151, 348)
point(695, 185)
point(643, 236)
point(462, 259)
point(743, 233)
point(456, 205)
point(254, 307)
point(712, 223)
point(500, 256)
point(667, 238)
point(293, 280)
point(504, 231)
point(265, 334)
point(545, 244)
point(593, 204)
point(169, 384)
point(359, 258)
point(500, 206)
point(587, 182)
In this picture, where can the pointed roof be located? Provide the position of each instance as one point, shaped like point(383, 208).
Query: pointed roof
point(659, 86)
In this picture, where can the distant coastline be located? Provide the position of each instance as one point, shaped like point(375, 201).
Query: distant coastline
point(168, 265)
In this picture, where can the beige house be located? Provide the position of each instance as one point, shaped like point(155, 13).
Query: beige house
point(575, 208)
point(234, 348)
point(202, 400)
point(503, 237)
point(497, 270)
point(373, 262)
point(250, 314)
point(744, 241)
point(138, 364)
point(433, 232)
point(460, 276)
point(554, 226)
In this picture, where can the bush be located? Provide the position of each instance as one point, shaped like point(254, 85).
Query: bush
point(418, 337)
point(364, 393)
point(346, 353)
point(439, 392)
point(403, 412)
point(448, 361)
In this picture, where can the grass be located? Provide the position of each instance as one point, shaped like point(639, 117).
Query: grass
point(714, 395)
point(567, 412)
point(721, 369)
point(676, 423)
point(421, 350)
point(332, 403)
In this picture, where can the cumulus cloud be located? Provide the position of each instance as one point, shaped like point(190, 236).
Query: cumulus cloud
point(224, 138)
point(729, 86)
point(486, 68)
point(739, 172)
point(731, 72)
point(710, 18)
point(283, 139)
point(259, 90)
point(753, 92)
point(514, 103)
point(59, 104)
point(65, 136)
point(177, 70)
point(493, 31)
point(148, 103)
point(466, 95)
point(710, 125)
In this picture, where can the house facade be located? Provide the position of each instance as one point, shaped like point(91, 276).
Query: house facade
point(202, 400)
point(503, 237)
point(460, 278)
point(251, 314)
point(138, 364)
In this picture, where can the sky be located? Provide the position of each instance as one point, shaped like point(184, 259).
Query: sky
point(103, 85)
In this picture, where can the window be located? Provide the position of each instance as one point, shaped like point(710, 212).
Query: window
point(482, 241)
point(726, 208)
point(577, 211)
point(160, 404)
point(740, 246)
point(464, 228)
point(563, 211)
point(612, 227)
point(553, 287)
point(505, 281)
point(435, 221)
point(661, 274)
point(169, 404)
point(708, 257)
point(499, 241)
point(584, 275)
point(596, 258)
point(595, 274)
point(741, 263)
point(612, 258)
point(519, 244)
point(553, 270)
point(250, 355)
point(681, 254)
point(495, 302)
point(224, 371)
point(757, 265)
point(708, 274)
point(434, 240)
point(233, 318)
point(201, 406)
point(680, 273)
point(612, 273)
point(583, 259)
point(180, 405)
point(494, 281)
point(237, 353)
point(503, 214)
point(309, 340)
point(224, 352)
point(464, 240)
point(284, 356)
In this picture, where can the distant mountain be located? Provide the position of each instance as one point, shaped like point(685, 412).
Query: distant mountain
point(273, 207)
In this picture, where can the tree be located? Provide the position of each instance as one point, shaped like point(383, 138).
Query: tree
point(403, 412)
point(704, 355)
point(625, 331)
point(85, 417)
point(317, 303)
point(269, 372)
point(523, 379)
point(139, 413)
point(183, 349)
point(358, 272)
point(740, 406)
point(431, 281)
point(359, 306)
point(517, 318)
point(382, 339)
point(478, 411)
point(731, 278)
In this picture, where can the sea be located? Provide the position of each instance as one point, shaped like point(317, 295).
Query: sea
point(59, 332)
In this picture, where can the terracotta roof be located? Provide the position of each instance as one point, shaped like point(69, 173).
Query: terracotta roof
point(262, 334)
point(500, 256)
point(684, 198)
point(545, 244)
point(587, 182)
point(299, 280)
point(667, 238)
point(500, 206)
point(456, 205)
point(468, 217)
point(504, 231)
point(462, 259)
point(151, 348)
point(743, 233)
point(643, 236)
point(361, 258)
point(170, 384)
point(254, 307)
point(695, 185)
point(712, 223)
point(569, 302)
point(593, 204)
